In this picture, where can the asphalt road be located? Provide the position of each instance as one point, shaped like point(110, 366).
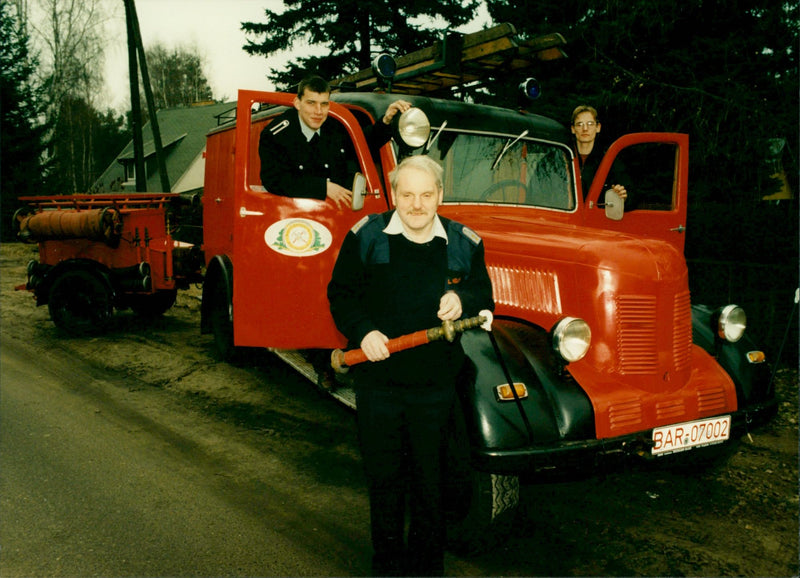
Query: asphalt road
point(100, 477)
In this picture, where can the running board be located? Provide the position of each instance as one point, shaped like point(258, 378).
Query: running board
point(341, 389)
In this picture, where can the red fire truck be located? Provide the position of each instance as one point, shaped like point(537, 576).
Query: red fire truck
point(597, 352)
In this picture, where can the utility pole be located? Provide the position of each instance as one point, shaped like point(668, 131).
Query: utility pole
point(135, 46)
point(136, 105)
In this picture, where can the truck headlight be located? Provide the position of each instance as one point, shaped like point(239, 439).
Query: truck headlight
point(731, 323)
point(414, 127)
point(571, 338)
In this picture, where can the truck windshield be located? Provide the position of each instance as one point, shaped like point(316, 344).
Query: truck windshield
point(507, 169)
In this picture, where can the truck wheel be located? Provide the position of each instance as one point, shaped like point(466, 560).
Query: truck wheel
point(80, 302)
point(152, 305)
point(492, 506)
point(479, 506)
point(220, 320)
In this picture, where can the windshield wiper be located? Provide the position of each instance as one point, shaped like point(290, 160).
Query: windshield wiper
point(507, 146)
point(433, 140)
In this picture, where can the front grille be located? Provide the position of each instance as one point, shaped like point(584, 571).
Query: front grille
point(529, 289)
point(670, 410)
point(625, 415)
point(682, 331)
point(710, 400)
point(636, 335)
point(637, 339)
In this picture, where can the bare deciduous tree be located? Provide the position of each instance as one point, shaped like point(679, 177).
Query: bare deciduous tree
point(177, 76)
point(70, 37)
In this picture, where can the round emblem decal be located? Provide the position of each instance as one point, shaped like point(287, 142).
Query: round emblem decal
point(298, 237)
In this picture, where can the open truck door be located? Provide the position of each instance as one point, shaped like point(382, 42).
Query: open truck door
point(285, 248)
point(653, 168)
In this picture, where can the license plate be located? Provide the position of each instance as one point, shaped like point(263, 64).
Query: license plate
point(691, 434)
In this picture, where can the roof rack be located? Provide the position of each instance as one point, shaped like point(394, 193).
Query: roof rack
point(460, 59)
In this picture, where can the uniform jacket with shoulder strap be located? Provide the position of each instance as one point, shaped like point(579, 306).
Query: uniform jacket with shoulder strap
point(367, 246)
point(293, 167)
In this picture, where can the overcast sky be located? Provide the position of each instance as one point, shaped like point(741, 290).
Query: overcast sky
point(213, 27)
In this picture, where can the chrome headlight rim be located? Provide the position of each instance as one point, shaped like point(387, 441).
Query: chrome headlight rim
point(731, 323)
point(414, 127)
point(571, 338)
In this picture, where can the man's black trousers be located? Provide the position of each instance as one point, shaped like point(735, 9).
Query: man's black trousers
point(402, 431)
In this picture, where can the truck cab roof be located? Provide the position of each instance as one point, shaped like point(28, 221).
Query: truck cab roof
point(467, 116)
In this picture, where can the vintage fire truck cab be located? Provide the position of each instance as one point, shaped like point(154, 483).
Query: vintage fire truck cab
point(594, 326)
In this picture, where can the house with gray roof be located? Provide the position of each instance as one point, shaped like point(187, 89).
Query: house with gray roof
point(183, 139)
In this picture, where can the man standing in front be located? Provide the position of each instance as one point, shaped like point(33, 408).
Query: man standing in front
point(399, 272)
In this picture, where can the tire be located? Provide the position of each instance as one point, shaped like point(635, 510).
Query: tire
point(221, 319)
point(154, 304)
point(80, 302)
point(491, 511)
point(479, 506)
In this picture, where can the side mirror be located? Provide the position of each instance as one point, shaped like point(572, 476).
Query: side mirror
point(615, 205)
point(359, 191)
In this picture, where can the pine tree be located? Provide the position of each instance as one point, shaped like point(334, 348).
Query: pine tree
point(21, 133)
point(350, 33)
point(726, 72)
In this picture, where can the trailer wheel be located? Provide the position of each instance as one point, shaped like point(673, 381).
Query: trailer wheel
point(152, 305)
point(220, 319)
point(80, 302)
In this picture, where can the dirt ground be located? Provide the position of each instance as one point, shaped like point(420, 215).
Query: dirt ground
point(738, 519)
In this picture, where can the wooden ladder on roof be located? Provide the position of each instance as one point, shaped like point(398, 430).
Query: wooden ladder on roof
point(461, 59)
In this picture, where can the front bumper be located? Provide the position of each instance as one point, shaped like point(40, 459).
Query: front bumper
point(583, 457)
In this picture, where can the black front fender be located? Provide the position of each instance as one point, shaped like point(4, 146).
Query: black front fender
point(556, 408)
point(752, 380)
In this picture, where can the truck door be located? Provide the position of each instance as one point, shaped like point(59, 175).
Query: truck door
point(653, 168)
point(284, 248)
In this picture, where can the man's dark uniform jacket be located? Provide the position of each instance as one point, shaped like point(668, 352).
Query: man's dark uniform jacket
point(292, 166)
